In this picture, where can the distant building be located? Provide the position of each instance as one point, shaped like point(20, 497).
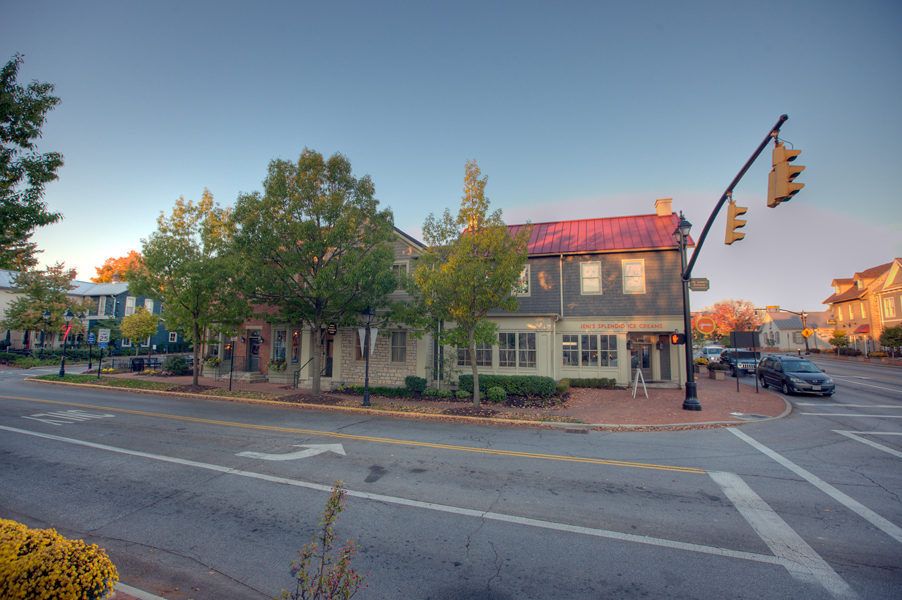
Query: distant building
point(855, 304)
point(783, 331)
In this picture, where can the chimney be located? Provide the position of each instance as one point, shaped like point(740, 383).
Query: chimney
point(662, 207)
point(115, 277)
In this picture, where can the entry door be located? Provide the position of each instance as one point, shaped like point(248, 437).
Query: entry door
point(253, 351)
point(640, 358)
point(327, 370)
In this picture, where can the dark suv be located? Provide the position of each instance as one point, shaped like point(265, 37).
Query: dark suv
point(794, 375)
point(740, 362)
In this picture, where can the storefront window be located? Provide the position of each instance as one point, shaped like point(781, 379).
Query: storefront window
point(571, 350)
point(483, 355)
point(608, 351)
point(526, 345)
point(507, 350)
point(279, 347)
point(295, 346)
point(589, 351)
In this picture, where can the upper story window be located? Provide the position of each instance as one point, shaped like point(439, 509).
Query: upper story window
point(889, 307)
point(129, 305)
point(400, 270)
point(851, 313)
point(839, 313)
point(173, 336)
point(148, 305)
point(590, 277)
point(101, 306)
point(634, 276)
point(863, 314)
point(521, 288)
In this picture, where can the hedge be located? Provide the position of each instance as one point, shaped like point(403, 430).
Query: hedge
point(41, 564)
point(530, 386)
point(415, 384)
point(595, 382)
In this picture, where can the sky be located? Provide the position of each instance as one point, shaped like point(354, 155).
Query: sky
point(572, 110)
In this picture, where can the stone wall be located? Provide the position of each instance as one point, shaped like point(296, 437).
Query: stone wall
point(383, 372)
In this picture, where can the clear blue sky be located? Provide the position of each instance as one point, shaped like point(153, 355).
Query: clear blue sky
point(572, 109)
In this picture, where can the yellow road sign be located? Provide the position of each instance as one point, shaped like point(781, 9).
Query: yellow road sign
point(807, 332)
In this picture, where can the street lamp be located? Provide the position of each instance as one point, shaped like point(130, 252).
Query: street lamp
point(681, 236)
point(46, 316)
point(368, 315)
point(67, 316)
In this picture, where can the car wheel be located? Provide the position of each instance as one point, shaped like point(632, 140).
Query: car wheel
point(786, 388)
point(763, 381)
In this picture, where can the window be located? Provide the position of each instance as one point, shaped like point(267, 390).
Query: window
point(839, 313)
point(521, 288)
point(483, 355)
point(507, 350)
point(101, 306)
point(358, 352)
point(863, 314)
point(518, 350)
point(399, 347)
point(296, 347)
point(634, 277)
point(889, 307)
point(526, 348)
point(129, 305)
point(851, 314)
point(797, 337)
point(590, 277)
point(278, 351)
point(126, 343)
point(173, 337)
point(145, 343)
point(400, 272)
point(589, 348)
point(777, 337)
point(148, 305)
point(607, 351)
point(571, 350)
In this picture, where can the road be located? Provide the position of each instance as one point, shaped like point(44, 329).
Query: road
point(202, 495)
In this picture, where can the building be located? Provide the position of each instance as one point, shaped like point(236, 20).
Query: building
point(889, 297)
point(855, 306)
point(782, 331)
point(598, 298)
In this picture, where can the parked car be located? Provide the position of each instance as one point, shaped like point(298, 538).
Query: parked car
point(709, 352)
point(794, 375)
point(740, 362)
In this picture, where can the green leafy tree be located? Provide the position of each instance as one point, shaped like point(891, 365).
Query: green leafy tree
point(188, 267)
point(38, 292)
point(139, 326)
point(23, 172)
point(839, 339)
point(319, 245)
point(471, 266)
point(891, 337)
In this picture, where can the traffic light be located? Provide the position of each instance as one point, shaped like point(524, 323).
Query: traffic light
point(780, 183)
point(677, 338)
point(733, 223)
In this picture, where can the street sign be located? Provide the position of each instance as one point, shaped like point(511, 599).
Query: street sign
point(705, 325)
point(807, 332)
point(831, 321)
point(772, 309)
point(90, 339)
point(699, 284)
point(103, 336)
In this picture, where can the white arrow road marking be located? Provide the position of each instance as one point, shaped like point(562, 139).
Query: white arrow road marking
point(312, 450)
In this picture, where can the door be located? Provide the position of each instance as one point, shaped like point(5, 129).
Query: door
point(327, 369)
point(640, 358)
point(253, 351)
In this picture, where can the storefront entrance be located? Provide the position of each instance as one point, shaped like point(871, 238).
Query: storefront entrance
point(640, 358)
point(253, 350)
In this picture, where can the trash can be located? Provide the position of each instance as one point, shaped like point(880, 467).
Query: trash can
point(137, 364)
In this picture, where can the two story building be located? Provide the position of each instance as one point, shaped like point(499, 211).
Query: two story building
point(855, 306)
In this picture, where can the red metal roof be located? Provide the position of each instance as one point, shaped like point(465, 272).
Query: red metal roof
point(862, 329)
point(612, 234)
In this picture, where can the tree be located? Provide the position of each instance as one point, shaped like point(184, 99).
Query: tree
point(188, 267)
point(891, 337)
point(471, 266)
point(733, 315)
point(319, 245)
point(44, 291)
point(839, 339)
point(23, 172)
point(121, 266)
point(139, 326)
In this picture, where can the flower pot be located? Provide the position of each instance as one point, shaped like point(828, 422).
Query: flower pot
point(717, 375)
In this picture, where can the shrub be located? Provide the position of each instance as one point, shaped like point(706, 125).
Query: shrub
point(849, 352)
point(514, 385)
point(496, 394)
point(415, 384)
point(176, 364)
point(8, 358)
point(599, 382)
point(437, 393)
point(877, 354)
point(41, 564)
point(701, 361)
point(388, 392)
point(463, 395)
point(814, 350)
point(717, 367)
point(563, 386)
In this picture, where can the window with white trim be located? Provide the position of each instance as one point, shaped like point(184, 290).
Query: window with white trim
point(889, 307)
point(399, 269)
point(519, 350)
point(634, 276)
point(797, 337)
point(148, 305)
point(590, 278)
point(863, 313)
point(129, 305)
point(399, 346)
point(126, 343)
point(145, 343)
point(571, 349)
point(851, 313)
point(101, 306)
point(521, 287)
point(279, 345)
point(483, 356)
point(173, 337)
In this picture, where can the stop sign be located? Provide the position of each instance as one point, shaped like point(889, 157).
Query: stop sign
point(705, 325)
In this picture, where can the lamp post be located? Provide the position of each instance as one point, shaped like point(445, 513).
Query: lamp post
point(46, 316)
point(67, 316)
point(368, 315)
point(681, 236)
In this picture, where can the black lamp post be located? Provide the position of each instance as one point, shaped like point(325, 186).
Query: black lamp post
point(681, 236)
point(46, 316)
point(368, 315)
point(67, 316)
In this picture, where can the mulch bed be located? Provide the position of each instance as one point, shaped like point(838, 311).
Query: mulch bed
point(192, 389)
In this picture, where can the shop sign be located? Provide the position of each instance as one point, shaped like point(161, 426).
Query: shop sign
point(622, 326)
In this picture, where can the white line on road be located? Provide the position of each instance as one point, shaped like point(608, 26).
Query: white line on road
point(851, 434)
point(794, 553)
point(311, 450)
point(614, 535)
point(883, 524)
point(846, 405)
point(851, 415)
point(869, 385)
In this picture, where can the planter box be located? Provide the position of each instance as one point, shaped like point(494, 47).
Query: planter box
point(282, 377)
point(718, 375)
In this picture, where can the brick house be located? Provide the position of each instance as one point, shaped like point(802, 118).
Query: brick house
point(598, 298)
point(856, 308)
point(889, 297)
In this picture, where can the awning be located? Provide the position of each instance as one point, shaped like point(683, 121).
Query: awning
point(862, 329)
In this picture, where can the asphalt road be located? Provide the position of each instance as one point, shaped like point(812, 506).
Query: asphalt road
point(216, 498)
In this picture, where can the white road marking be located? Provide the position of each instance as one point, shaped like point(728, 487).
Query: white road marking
point(869, 385)
point(312, 450)
point(852, 434)
point(851, 415)
point(866, 513)
point(794, 553)
point(66, 417)
point(614, 535)
point(846, 405)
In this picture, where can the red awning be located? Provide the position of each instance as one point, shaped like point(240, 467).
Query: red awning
point(862, 329)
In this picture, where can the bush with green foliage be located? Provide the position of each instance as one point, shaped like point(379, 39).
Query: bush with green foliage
point(8, 358)
point(388, 392)
point(463, 395)
point(443, 393)
point(877, 354)
point(176, 364)
point(593, 382)
point(496, 395)
point(416, 385)
point(849, 352)
point(40, 564)
point(563, 386)
point(717, 367)
point(530, 386)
